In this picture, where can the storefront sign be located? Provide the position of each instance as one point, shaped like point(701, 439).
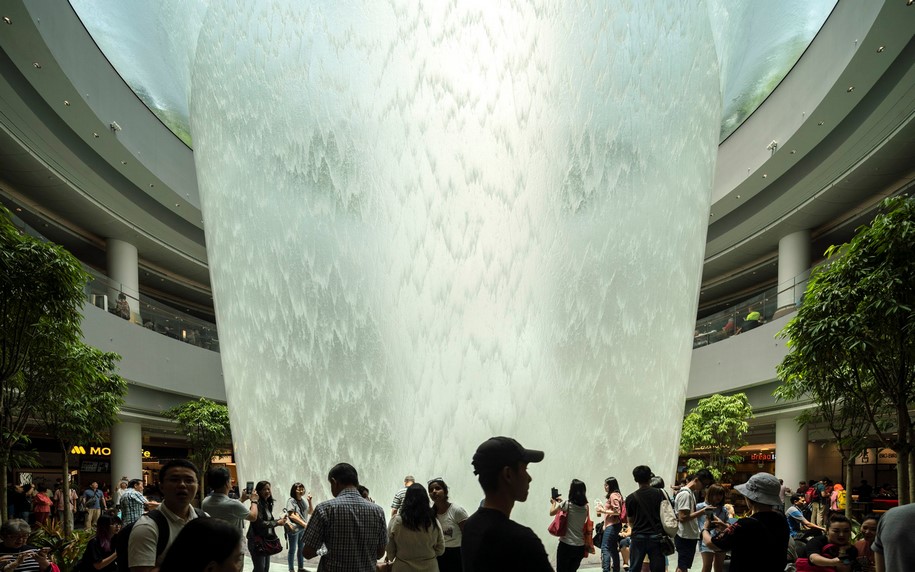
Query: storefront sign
point(101, 451)
point(762, 457)
point(873, 455)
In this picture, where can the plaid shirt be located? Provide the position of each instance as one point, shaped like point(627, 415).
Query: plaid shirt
point(133, 505)
point(353, 530)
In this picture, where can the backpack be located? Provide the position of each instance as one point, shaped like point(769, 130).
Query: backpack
point(122, 539)
point(841, 500)
point(808, 496)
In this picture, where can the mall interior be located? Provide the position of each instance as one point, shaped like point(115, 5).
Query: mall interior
point(95, 156)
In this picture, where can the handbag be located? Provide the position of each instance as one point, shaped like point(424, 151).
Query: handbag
point(560, 524)
point(599, 534)
point(264, 546)
point(667, 545)
point(668, 519)
point(587, 529)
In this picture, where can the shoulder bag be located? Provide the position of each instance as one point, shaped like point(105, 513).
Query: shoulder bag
point(668, 518)
point(560, 524)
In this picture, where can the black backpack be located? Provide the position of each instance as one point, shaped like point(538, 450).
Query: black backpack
point(122, 540)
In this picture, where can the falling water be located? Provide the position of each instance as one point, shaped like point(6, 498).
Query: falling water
point(430, 224)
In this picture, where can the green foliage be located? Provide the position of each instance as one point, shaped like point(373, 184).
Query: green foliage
point(695, 465)
point(854, 337)
point(206, 425)
point(66, 547)
point(84, 394)
point(41, 297)
point(38, 281)
point(717, 426)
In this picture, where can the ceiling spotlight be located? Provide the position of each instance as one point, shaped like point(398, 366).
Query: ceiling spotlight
point(738, 196)
point(820, 123)
point(880, 49)
point(773, 146)
point(910, 2)
point(177, 205)
point(123, 162)
point(152, 185)
point(765, 175)
point(94, 134)
point(66, 103)
point(850, 89)
point(793, 151)
point(36, 65)
point(114, 126)
point(7, 20)
point(18, 209)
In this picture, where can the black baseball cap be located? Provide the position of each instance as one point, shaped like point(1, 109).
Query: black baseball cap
point(498, 452)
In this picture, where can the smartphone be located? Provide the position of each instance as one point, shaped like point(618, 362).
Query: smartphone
point(249, 486)
point(554, 493)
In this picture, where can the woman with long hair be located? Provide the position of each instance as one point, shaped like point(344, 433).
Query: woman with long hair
point(205, 545)
point(415, 541)
point(100, 552)
point(571, 547)
point(263, 527)
point(714, 500)
point(611, 511)
point(298, 508)
point(451, 519)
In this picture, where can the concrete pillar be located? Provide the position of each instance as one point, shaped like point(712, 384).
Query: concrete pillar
point(126, 452)
point(793, 269)
point(790, 452)
point(124, 272)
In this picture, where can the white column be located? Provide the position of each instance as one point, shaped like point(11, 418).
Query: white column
point(790, 452)
point(793, 268)
point(124, 272)
point(126, 452)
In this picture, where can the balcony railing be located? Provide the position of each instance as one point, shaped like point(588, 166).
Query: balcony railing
point(139, 309)
point(750, 313)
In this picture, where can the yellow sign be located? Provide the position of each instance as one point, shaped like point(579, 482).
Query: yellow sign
point(102, 451)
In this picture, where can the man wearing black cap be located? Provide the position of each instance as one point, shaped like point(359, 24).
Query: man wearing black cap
point(492, 541)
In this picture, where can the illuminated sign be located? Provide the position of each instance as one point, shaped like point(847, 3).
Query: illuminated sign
point(762, 457)
point(102, 451)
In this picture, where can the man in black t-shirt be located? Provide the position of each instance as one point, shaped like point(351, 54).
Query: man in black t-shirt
point(643, 509)
point(491, 541)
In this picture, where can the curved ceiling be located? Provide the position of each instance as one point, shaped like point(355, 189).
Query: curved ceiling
point(79, 179)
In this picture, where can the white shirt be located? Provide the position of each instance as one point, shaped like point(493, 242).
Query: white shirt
point(686, 500)
point(141, 548)
point(450, 522)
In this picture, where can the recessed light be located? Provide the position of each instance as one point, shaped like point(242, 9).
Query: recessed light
point(94, 134)
point(793, 151)
point(850, 89)
point(765, 175)
point(177, 205)
point(880, 49)
point(66, 103)
point(820, 123)
point(7, 20)
point(738, 196)
point(123, 162)
point(152, 185)
point(36, 65)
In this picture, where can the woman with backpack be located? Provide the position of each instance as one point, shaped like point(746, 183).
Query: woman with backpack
point(612, 511)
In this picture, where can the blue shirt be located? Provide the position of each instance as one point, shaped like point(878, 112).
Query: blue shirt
point(93, 498)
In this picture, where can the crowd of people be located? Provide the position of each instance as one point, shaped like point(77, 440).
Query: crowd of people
point(648, 529)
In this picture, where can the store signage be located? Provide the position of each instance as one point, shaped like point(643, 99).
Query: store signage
point(762, 457)
point(879, 456)
point(101, 451)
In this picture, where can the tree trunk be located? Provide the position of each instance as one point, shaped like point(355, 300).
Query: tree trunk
point(4, 506)
point(65, 495)
point(902, 475)
point(849, 468)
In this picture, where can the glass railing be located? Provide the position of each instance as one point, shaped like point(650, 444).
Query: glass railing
point(752, 312)
point(139, 309)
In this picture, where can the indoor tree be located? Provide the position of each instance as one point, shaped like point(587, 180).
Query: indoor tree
point(85, 397)
point(206, 425)
point(857, 324)
point(717, 427)
point(835, 404)
point(41, 286)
